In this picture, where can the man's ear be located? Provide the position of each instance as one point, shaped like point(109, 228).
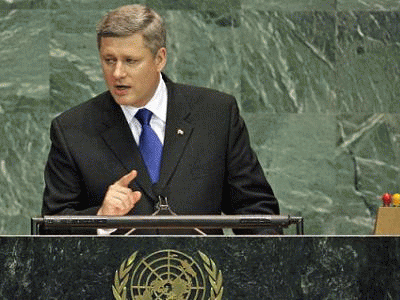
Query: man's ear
point(161, 58)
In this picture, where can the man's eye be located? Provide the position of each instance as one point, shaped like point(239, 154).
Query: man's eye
point(131, 61)
point(109, 61)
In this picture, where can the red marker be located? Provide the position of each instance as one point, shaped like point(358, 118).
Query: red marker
point(387, 199)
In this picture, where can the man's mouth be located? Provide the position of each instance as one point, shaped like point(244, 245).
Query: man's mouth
point(122, 87)
point(121, 90)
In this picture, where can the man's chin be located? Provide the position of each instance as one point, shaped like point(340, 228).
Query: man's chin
point(126, 100)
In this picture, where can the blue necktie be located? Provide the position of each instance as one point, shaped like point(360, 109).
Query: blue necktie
point(149, 145)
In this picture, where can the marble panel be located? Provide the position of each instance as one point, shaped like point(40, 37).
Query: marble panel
point(289, 65)
point(77, 5)
point(204, 49)
point(23, 152)
point(23, 4)
point(370, 5)
point(74, 62)
point(331, 169)
point(24, 72)
point(204, 5)
point(297, 154)
point(367, 158)
point(24, 109)
point(293, 5)
point(368, 62)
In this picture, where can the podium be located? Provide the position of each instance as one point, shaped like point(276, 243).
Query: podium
point(196, 267)
point(199, 267)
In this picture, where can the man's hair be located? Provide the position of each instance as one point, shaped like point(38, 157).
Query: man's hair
point(130, 19)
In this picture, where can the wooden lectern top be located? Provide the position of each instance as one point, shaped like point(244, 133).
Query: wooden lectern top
point(387, 221)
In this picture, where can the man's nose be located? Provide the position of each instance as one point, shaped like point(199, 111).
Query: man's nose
point(119, 71)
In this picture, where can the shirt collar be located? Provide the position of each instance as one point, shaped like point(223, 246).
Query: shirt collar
point(157, 104)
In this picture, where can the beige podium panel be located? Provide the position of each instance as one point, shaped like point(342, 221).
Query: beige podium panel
point(387, 221)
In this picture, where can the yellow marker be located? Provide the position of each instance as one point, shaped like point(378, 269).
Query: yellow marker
point(396, 200)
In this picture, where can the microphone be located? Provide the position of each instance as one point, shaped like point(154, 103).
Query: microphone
point(163, 209)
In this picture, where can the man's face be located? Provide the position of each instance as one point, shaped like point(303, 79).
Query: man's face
point(131, 71)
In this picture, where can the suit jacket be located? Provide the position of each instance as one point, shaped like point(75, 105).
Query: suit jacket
point(208, 166)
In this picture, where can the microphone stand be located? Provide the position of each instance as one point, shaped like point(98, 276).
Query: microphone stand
point(163, 209)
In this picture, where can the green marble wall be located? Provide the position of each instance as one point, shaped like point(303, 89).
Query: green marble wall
point(317, 82)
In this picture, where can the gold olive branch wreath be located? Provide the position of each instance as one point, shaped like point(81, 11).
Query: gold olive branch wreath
point(122, 276)
point(215, 277)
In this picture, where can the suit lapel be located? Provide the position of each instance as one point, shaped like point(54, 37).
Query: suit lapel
point(177, 133)
point(117, 135)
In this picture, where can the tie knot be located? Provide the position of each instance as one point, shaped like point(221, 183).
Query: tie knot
point(144, 115)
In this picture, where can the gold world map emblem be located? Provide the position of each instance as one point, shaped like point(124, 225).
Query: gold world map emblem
point(168, 275)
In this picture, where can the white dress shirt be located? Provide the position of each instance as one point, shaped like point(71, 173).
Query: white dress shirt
point(158, 106)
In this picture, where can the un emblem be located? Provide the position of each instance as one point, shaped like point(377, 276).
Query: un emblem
point(168, 275)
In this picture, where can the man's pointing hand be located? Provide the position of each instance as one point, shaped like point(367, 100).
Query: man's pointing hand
point(120, 199)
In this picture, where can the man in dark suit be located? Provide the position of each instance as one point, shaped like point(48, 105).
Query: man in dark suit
point(95, 166)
